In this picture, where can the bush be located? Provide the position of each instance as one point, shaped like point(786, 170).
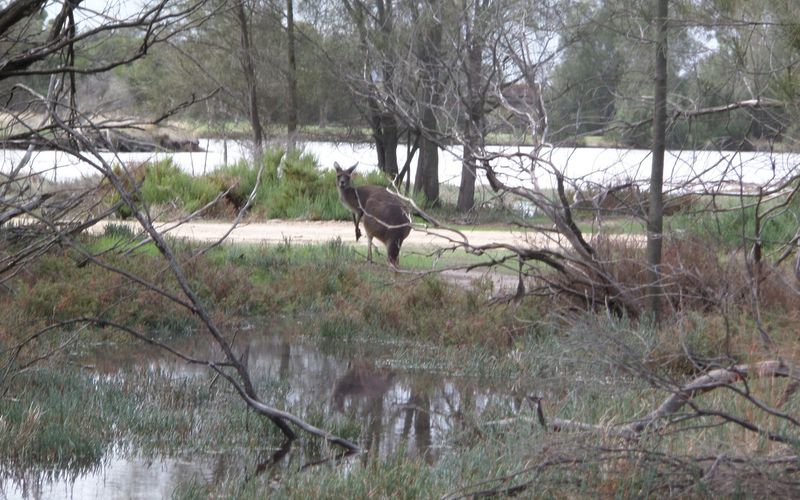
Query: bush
point(164, 182)
point(735, 228)
point(241, 178)
point(292, 187)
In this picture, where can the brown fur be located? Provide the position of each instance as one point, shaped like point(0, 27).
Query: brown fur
point(385, 215)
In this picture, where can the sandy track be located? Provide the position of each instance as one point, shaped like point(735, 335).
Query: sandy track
point(308, 232)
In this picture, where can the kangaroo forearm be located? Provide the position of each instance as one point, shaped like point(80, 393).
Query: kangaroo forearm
point(357, 221)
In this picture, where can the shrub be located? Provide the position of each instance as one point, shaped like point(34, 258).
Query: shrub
point(161, 183)
point(303, 191)
point(291, 187)
point(164, 182)
point(241, 178)
point(697, 275)
point(735, 227)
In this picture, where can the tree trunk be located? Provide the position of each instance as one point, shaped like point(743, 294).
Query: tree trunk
point(379, 113)
point(248, 67)
point(385, 135)
point(388, 120)
point(426, 179)
point(656, 212)
point(291, 112)
point(473, 146)
point(473, 127)
point(390, 140)
point(428, 51)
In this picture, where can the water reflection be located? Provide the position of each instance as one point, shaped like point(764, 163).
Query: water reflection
point(118, 478)
point(401, 408)
point(400, 405)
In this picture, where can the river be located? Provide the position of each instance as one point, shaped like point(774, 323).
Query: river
point(684, 170)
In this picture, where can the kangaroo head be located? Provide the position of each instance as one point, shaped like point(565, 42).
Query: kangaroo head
point(344, 176)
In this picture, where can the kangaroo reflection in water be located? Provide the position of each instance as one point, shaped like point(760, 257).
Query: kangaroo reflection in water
point(362, 391)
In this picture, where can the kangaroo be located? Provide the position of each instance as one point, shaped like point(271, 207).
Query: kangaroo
point(361, 381)
point(385, 215)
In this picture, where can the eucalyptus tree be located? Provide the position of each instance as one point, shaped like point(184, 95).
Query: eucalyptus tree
point(746, 84)
point(291, 77)
point(373, 73)
point(503, 51)
point(655, 216)
point(650, 99)
point(474, 18)
point(428, 19)
point(582, 94)
point(433, 68)
point(256, 55)
point(246, 59)
point(532, 54)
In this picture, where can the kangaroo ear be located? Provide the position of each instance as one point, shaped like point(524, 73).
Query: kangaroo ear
point(350, 170)
point(336, 166)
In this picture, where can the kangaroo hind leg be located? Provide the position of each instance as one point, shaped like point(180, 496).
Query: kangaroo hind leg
point(393, 249)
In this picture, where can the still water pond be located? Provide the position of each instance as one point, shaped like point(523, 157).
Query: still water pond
point(404, 406)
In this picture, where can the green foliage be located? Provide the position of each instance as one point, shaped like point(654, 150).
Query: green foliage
point(242, 177)
point(161, 183)
point(118, 231)
point(605, 76)
point(165, 182)
point(584, 91)
point(302, 191)
point(291, 187)
point(735, 227)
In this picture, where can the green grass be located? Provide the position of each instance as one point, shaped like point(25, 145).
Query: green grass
point(55, 419)
point(118, 238)
point(427, 259)
point(165, 182)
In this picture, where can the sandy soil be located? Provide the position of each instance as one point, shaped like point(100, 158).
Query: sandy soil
point(300, 232)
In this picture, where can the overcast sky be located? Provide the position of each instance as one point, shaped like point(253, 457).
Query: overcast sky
point(93, 8)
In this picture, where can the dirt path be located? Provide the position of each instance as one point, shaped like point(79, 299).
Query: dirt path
point(308, 232)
